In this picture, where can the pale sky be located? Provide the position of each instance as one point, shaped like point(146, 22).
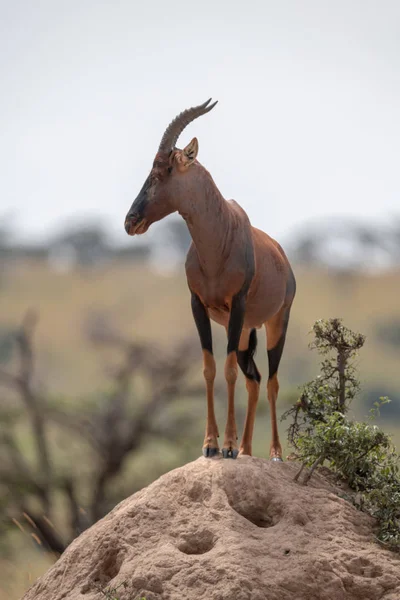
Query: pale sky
point(307, 123)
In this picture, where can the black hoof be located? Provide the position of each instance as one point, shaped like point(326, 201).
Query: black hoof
point(210, 452)
point(228, 453)
point(276, 459)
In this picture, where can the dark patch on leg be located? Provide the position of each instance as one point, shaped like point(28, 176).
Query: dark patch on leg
point(274, 356)
point(246, 360)
point(291, 286)
point(238, 307)
point(203, 324)
point(275, 353)
point(236, 322)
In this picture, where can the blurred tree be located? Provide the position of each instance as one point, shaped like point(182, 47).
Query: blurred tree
point(83, 246)
point(5, 250)
point(5, 237)
point(89, 247)
point(36, 477)
point(345, 245)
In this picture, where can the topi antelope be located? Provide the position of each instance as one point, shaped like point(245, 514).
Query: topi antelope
point(237, 275)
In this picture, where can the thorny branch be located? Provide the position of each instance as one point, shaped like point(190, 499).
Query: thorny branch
point(23, 383)
point(117, 433)
point(114, 429)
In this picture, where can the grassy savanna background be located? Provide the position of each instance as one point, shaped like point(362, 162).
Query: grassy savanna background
point(148, 306)
point(154, 308)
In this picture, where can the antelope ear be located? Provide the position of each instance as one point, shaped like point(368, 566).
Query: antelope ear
point(190, 152)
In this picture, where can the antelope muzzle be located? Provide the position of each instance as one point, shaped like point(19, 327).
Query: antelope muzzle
point(135, 224)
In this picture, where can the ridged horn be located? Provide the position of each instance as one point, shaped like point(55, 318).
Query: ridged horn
point(176, 126)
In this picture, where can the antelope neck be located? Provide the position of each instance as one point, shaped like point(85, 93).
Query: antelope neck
point(209, 221)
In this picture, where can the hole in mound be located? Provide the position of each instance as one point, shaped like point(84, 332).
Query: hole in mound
point(197, 543)
point(110, 566)
point(364, 567)
point(199, 492)
point(257, 516)
point(107, 568)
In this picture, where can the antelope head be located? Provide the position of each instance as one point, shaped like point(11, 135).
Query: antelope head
point(169, 175)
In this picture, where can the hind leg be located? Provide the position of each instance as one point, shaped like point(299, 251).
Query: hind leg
point(276, 333)
point(247, 348)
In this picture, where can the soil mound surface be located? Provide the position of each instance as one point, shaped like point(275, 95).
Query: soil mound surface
point(227, 530)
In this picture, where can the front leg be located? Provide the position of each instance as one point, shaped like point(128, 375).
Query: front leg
point(236, 319)
point(202, 320)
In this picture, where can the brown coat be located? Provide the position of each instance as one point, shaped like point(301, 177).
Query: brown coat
point(238, 276)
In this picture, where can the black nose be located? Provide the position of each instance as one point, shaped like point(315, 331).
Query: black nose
point(128, 223)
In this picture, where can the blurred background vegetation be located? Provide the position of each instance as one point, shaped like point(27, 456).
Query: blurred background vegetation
point(101, 386)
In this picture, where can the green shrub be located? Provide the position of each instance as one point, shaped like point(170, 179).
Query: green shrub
point(358, 452)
